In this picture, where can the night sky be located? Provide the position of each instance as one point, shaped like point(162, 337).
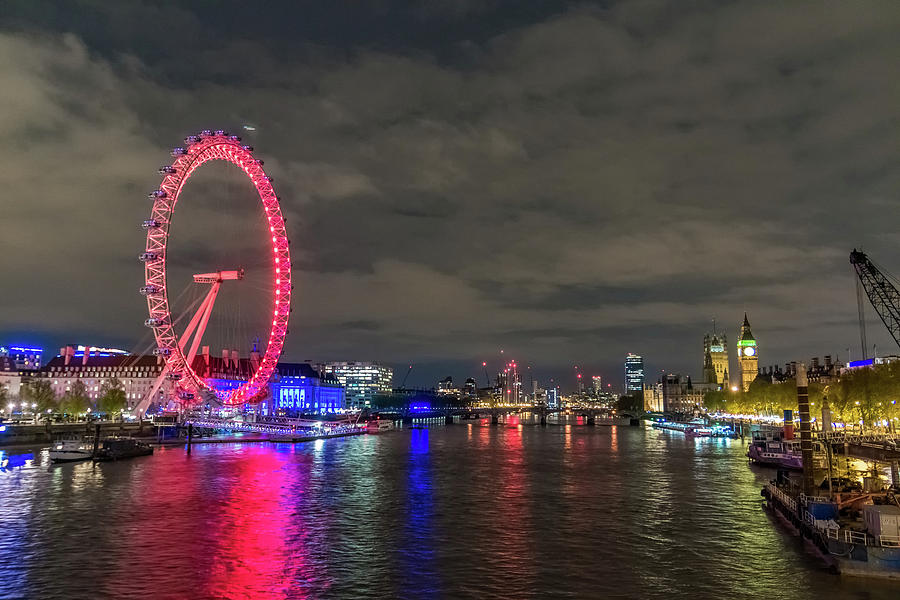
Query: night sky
point(564, 181)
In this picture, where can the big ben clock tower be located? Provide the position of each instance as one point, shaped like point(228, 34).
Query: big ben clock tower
point(748, 355)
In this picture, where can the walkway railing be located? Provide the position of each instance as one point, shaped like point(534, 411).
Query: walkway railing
point(784, 498)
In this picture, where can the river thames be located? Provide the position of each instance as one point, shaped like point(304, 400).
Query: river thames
point(462, 511)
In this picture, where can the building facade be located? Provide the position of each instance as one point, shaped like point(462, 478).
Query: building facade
point(748, 355)
point(23, 358)
point(681, 396)
point(137, 374)
point(362, 381)
point(715, 358)
point(298, 389)
point(634, 374)
point(11, 379)
point(653, 397)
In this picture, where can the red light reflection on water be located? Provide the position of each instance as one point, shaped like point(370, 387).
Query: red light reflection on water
point(235, 511)
point(251, 558)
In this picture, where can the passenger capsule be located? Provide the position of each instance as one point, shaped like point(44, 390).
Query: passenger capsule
point(148, 256)
point(221, 132)
point(206, 132)
point(166, 170)
point(154, 322)
point(248, 148)
point(162, 352)
point(157, 194)
point(150, 224)
point(149, 290)
point(178, 151)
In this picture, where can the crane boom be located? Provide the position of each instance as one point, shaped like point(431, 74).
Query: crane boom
point(882, 294)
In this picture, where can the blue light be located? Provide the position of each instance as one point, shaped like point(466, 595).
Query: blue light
point(2, 428)
point(862, 363)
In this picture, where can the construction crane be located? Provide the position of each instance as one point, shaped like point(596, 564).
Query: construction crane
point(882, 294)
point(403, 384)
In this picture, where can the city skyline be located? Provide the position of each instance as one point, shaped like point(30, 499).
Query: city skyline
point(567, 215)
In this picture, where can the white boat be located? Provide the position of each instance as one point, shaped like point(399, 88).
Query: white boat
point(379, 425)
point(70, 451)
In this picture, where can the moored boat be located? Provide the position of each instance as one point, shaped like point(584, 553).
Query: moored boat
point(696, 429)
point(858, 534)
point(379, 426)
point(70, 450)
point(784, 454)
point(116, 448)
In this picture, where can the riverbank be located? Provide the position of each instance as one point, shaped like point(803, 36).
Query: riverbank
point(233, 438)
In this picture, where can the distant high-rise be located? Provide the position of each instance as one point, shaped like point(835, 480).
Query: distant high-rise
point(748, 355)
point(634, 374)
point(361, 380)
point(715, 358)
point(597, 383)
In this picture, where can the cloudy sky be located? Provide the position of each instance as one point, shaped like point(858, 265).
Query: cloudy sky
point(566, 181)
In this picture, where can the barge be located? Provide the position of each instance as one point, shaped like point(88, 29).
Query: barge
point(696, 429)
point(116, 448)
point(857, 534)
point(784, 454)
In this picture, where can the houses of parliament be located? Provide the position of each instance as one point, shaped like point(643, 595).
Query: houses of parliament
point(715, 358)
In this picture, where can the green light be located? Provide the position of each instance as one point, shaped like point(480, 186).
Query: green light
point(747, 343)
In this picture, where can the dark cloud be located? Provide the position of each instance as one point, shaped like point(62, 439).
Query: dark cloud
point(565, 182)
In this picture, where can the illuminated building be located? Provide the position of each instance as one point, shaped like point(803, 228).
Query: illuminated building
point(748, 355)
point(95, 366)
point(298, 389)
point(362, 381)
point(653, 397)
point(445, 386)
point(715, 358)
point(10, 378)
point(597, 384)
point(553, 397)
point(634, 374)
point(24, 358)
point(680, 396)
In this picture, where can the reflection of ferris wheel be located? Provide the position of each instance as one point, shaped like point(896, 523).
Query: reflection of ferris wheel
point(179, 352)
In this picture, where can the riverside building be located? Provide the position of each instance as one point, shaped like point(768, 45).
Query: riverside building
point(23, 358)
point(299, 389)
point(715, 358)
point(362, 381)
point(93, 366)
point(634, 374)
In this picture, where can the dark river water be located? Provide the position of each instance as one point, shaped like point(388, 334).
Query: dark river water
point(462, 511)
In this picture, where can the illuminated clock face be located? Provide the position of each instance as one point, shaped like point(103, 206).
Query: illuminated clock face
point(749, 351)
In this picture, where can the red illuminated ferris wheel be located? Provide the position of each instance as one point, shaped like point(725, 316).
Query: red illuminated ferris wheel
point(179, 352)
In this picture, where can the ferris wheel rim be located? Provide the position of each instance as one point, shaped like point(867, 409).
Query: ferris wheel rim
point(198, 150)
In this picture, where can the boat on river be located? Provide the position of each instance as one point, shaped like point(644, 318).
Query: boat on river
point(70, 450)
point(379, 426)
point(696, 429)
point(117, 448)
point(784, 454)
point(856, 533)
